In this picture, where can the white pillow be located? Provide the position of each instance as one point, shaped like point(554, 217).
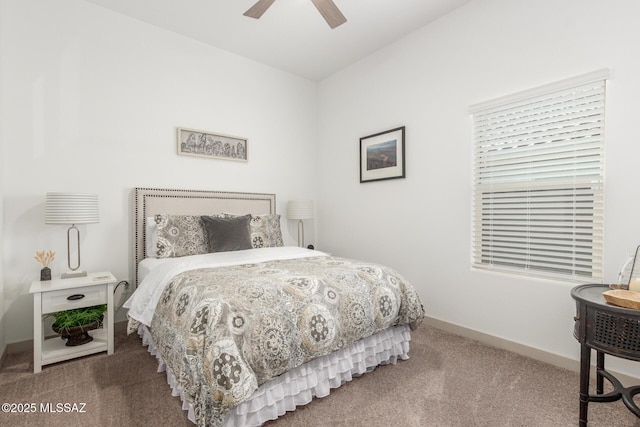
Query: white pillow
point(151, 235)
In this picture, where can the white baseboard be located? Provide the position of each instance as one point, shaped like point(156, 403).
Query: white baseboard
point(534, 353)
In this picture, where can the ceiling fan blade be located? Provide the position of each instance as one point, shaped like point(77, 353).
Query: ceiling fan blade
point(258, 9)
point(330, 12)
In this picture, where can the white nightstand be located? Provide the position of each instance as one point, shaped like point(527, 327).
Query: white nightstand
point(53, 295)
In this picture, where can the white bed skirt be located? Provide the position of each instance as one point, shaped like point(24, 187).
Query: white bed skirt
point(300, 385)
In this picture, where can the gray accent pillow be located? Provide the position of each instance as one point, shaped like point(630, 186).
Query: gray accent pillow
point(228, 234)
point(265, 230)
point(180, 235)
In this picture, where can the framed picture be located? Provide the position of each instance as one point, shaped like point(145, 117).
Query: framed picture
point(382, 155)
point(192, 142)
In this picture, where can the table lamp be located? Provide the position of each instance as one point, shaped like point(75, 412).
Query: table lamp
point(300, 210)
point(72, 208)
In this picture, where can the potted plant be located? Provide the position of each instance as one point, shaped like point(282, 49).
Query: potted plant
point(74, 325)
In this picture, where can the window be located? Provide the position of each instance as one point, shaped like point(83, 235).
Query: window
point(538, 181)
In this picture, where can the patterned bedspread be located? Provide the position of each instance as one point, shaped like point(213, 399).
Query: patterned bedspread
point(224, 331)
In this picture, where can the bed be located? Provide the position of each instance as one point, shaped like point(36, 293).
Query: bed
point(245, 327)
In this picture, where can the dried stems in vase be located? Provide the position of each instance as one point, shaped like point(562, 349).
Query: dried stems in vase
point(45, 258)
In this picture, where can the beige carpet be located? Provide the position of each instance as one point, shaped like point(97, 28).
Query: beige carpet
point(448, 381)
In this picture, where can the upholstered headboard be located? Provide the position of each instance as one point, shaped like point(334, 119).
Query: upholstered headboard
point(151, 201)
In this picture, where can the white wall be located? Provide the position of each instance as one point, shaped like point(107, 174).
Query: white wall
point(91, 101)
point(421, 225)
point(3, 112)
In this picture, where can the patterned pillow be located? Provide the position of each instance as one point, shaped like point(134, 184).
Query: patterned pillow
point(265, 230)
point(180, 235)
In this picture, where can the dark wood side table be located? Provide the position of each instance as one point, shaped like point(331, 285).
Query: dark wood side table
point(608, 329)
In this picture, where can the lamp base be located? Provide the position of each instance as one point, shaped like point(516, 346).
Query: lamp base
point(300, 233)
point(71, 274)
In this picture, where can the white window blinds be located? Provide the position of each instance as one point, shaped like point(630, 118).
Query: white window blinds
point(538, 181)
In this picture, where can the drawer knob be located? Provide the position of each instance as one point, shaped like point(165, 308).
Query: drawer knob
point(75, 297)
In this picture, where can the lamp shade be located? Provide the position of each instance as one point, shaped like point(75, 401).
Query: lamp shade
point(71, 208)
point(300, 209)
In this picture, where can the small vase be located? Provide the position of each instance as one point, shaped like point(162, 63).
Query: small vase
point(45, 274)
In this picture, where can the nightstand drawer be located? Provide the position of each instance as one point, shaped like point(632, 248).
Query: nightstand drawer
point(66, 299)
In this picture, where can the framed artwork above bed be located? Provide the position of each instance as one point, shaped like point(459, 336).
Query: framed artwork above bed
point(200, 143)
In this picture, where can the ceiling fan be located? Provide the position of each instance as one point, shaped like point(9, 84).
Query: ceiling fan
point(327, 9)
